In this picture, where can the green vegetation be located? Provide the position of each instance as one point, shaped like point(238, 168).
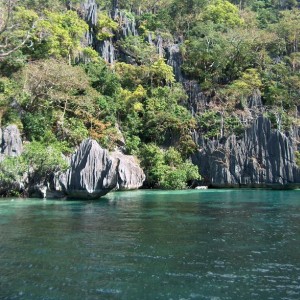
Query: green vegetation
point(167, 169)
point(38, 161)
point(105, 27)
point(57, 88)
point(297, 154)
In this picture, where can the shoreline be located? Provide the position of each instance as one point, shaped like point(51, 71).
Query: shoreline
point(210, 189)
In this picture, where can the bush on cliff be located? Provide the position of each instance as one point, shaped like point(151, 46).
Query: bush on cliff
point(38, 161)
point(166, 169)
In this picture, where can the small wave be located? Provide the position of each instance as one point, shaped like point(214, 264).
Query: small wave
point(108, 291)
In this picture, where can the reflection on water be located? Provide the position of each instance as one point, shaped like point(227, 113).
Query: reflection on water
point(212, 244)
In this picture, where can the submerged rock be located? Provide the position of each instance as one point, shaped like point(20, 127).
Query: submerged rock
point(261, 157)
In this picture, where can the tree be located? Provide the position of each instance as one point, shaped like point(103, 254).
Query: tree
point(245, 86)
point(184, 14)
point(139, 50)
point(105, 27)
point(59, 35)
point(222, 12)
point(161, 73)
point(7, 92)
point(147, 6)
point(16, 27)
point(42, 5)
point(54, 88)
point(288, 28)
point(204, 54)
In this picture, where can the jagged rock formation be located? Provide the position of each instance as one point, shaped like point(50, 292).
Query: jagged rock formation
point(128, 25)
point(254, 101)
point(261, 157)
point(130, 176)
point(106, 48)
point(10, 142)
point(197, 101)
point(89, 13)
point(92, 172)
point(89, 9)
point(174, 59)
point(107, 51)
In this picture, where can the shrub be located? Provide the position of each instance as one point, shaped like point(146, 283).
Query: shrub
point(167, 169)
point(210, 124)
point(12, 170)
point(44, 159)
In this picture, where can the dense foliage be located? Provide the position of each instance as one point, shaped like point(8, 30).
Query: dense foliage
point(58, 86)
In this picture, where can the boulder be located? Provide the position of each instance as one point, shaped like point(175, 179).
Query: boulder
point(262, 157)
point(92, 172)
point(130, 176)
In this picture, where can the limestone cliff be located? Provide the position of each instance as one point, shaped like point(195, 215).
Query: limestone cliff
point(261, 157)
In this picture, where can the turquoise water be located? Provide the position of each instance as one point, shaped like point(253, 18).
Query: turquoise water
point(211, 244)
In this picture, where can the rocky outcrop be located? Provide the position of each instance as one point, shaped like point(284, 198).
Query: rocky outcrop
point(254, 101)
point(93, 173)
point(175, 60)
point(261, 157)
point(130, 176)
point(10, 141)
point(89, 12)
point(197, 100)
point(127, 24)
point(11, 145)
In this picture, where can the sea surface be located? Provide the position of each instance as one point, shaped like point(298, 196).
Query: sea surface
point(204, 244)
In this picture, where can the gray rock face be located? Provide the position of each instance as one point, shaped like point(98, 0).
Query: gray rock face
point(260, 158)
point(130, 176)
point(254, 101)
point(107, 51)
point(128, 25)
point(89, 10)
point(11, 145)
point(197, 101)
point(92, 172)
point(10, 141)
point(175, 60)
